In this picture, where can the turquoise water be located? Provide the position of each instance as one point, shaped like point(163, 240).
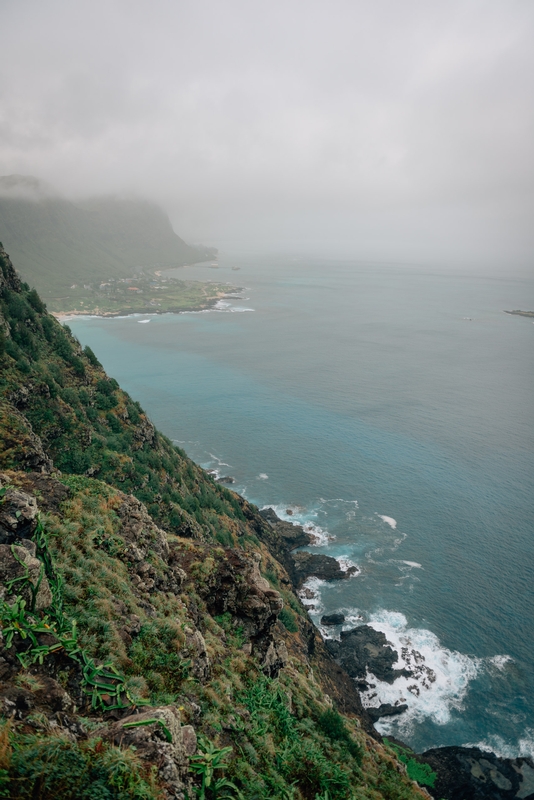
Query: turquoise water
point(390, 410)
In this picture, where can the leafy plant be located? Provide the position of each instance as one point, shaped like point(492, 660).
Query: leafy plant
point(332, 724)
point(287, 618)
point(205, 764)
point(49, 767)
point(417, 770)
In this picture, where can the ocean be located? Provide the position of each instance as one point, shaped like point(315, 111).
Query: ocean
point(389, 409)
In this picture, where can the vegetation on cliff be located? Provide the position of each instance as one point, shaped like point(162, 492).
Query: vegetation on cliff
point(152, 644)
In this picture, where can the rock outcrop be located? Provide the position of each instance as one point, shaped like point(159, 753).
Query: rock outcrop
point(18, 513)
point(22, 573)
point(159, 738)
point(307, 565)
point(467, 773)
point(363, 650)
point(333, 619)
point(21, 447)
point(292, 535)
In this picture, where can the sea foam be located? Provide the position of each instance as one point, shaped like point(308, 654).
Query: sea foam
point(300, 516)
point(439, 681)
point(524, 748)
point(390, 521)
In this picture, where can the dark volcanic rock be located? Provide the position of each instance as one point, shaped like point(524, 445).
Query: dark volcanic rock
point(467, 773)
point(333, 619)
point(362, 649)
point(323, 567)
point(386, 710)
point(270, 515)
point(226, 479)
point(18, 513)
point(21, 447)
point(292, 535)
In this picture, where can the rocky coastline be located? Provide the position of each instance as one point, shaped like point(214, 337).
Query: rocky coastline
point(150, 617)
point(462, 773)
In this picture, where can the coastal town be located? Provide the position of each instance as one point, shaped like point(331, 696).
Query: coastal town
point(142, 293)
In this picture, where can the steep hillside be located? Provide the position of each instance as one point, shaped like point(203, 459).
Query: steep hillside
point(152, 643)
point(57, 243)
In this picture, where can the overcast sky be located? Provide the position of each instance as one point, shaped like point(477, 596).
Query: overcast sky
point(385, 129)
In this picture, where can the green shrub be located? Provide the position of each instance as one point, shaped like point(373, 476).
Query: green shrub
point(36, 302)
point(105, 402)
point(287, 618)
point(54, 767)
point(417, 771)
point(304, 762)
point(91, 356)
point(332, 724)
point(155, 655)
point(75, 460)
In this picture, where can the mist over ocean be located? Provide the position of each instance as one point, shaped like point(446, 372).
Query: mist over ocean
point(390, 409)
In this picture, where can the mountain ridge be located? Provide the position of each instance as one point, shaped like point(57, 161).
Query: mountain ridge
point(57, 242)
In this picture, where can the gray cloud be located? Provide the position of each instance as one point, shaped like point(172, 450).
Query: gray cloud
point(383, 129)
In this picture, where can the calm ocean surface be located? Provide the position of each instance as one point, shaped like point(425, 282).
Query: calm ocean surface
point(392, 409)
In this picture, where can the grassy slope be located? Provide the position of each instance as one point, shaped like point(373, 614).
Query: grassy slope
point(286, 740)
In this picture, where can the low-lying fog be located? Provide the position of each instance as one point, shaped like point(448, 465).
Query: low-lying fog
point(384, 130)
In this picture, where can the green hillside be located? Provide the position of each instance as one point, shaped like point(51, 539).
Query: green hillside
point(57, 243)
point(152, 644)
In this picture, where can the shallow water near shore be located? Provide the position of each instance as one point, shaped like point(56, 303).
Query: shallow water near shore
point(390, 410)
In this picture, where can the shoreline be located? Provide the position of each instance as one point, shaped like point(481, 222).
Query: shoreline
point(62, 316)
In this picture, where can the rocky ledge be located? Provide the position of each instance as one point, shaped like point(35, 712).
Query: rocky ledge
point(308, 565)
point(362, 650)
point(292, 535)
point(467, 773)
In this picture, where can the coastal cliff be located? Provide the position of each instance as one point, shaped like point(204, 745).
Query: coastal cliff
point(152, 643)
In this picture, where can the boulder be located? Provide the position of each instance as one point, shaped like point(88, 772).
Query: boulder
point(363, 649)
point(21, 573)
point(196, 651)
point(326, 568)
point(467, 773)
point(333, 619)
point(18, 513)
point(386, 710)
point(159, 738)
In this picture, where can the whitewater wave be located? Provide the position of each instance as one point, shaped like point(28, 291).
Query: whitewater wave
point(297, 515)
point(310, 595)
point(219, 461)
point(223, 306)
point(439, 681)
point(345, 563)
point(389, 520)
point(524, 748)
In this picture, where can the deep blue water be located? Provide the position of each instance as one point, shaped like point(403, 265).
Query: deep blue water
point(392, 410)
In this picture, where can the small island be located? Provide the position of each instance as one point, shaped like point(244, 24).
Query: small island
point(521, 313)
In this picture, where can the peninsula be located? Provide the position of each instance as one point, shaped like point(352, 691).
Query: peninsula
point(521, 313)
point(143, 294)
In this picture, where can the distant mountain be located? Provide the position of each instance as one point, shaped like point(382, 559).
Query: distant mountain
point(57, 242)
